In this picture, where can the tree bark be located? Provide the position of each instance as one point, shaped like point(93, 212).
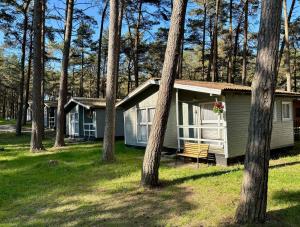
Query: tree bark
point(21, 88)
point(100, 48)
point(253, 200)
point(204, 38)
point(63, 83)
point(287, 51)
point(110, 113)
point(37, 124)
point(283, 41)
point(214, 71)
point(244, 74)
point(230, 63)
point(136, 44)
point(155, 143)
point(120, 20)
point(43, 38)
point(208, 78)
point(26, 105)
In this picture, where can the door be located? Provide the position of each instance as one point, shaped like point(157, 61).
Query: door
point(74, 124)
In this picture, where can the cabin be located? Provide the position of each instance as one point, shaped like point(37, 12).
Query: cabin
point(205, 113)
point(85, 118)
point(50, 113)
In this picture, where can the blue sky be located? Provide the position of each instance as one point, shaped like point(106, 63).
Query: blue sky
point(96, 8)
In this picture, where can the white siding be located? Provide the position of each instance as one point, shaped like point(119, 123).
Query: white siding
point(238, 114)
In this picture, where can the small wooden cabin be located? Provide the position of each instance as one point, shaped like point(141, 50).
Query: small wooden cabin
point(85, 118)
point(192, 118)
point(50, 113)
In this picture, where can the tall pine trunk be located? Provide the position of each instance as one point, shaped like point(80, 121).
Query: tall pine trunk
point(21, 85)
point(63, 83)
point(26, 105)
point(100, 48)
point(287, 50)
point(37, 123)
point(245, 44)
point(155, 142)
point(230, 63)
point(110, 113)
point(253, 200)
point(214, 71)
point(204, 38)
point(136, 44)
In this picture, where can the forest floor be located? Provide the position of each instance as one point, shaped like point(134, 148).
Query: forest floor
point(7, 122)
point(72, 187)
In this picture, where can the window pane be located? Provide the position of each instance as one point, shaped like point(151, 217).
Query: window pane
point(142, 116)
point(286, 111)
point(142, 133)
point(151, 112)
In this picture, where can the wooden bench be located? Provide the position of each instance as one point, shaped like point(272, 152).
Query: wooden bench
point(195, 150)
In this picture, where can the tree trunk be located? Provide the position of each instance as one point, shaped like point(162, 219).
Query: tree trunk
point(295, 70)
point(81, 91)
point(230, 63)
point(283, 41)
point(4, 107)
point(100, 48)
point(136, 44)
point(287, 51)
point(120, 20)
point(63, 83)
point(21, 88)
point(110, 113)
point(26, 105)
point(155, 143)
point(43, 38)
point(37, 124)
point(204, 38)
point(244, 74)
point(214, 71)
point(253, 201)
point(208, 78)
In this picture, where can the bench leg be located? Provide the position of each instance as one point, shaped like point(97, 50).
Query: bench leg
point(198, 163)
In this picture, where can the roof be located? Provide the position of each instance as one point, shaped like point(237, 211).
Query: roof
point(50, 103)
point(88, 103)
point(214, 88)
point(47, 103)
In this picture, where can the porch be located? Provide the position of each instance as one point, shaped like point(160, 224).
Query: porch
point(196, 122)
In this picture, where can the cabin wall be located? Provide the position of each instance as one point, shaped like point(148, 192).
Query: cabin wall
point(130, 119)
point(100, 123)
point(238, 115)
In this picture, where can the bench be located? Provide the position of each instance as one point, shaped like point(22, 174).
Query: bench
point(195, 150)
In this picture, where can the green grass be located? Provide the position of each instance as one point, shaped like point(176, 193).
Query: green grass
point(7, 122)
point(80, 190)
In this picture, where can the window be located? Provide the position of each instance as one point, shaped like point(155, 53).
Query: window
point(286, 111)
point(144, 121)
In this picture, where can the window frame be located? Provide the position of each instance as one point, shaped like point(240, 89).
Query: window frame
point(147, 123)
point(290, 118)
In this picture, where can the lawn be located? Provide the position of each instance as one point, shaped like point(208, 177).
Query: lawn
point(77, 189)
point(7, 122)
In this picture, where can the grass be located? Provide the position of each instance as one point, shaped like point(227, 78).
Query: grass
point(7, 122)
point(77, 189)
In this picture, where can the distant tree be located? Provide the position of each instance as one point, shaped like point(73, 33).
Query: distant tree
point(155, 143)
point(37, 120)
point(63, 87)
point(24, 8)
point(253, 200)
point(110, 111)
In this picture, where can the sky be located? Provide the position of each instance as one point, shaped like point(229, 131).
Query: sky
point(94, 10)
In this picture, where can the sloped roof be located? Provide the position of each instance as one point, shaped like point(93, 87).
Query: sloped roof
point(215, 88)
point(87, 102)
point(50, 103)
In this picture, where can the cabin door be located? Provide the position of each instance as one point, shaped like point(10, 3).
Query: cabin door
point(74, 124)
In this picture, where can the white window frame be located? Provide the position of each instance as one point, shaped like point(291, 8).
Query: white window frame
point(147, 123)
point(291, 113)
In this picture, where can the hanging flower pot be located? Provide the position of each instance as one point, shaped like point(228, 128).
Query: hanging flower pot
point(218, 107)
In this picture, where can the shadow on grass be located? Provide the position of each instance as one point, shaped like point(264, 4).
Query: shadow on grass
point(74, 191)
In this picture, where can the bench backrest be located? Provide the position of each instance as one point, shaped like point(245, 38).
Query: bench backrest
point(196, 149)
